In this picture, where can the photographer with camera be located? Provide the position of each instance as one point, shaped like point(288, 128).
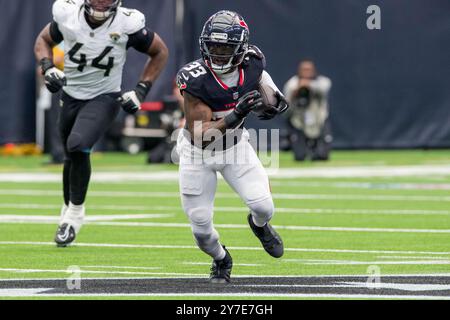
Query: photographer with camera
point(310, 132)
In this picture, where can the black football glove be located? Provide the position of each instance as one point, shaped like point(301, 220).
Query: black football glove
point(54, 78)
point(131, 101)
point(280, 108)
point(249, 102)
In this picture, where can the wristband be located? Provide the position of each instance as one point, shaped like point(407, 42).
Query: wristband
point(143, 88)
point(233, 120)
point(46, 63)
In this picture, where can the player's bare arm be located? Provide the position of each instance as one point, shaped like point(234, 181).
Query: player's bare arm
point(199, 115)
point(44, 44)
point(54, 79)
point(159, 54)
point(199, 118)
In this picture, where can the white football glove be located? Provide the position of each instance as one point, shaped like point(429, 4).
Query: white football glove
point(55, 79)
point(131, 101)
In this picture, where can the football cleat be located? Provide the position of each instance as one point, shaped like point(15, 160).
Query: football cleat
point(221, 269)
point(65, 235)
point(270, 239)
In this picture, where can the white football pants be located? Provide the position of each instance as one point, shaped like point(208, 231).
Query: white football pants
point(241, 169)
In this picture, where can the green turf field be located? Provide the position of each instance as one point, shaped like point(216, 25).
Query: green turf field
point(344, 225)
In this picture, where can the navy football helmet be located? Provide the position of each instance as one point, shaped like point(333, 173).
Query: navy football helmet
point(101, 10)
point(224, 41)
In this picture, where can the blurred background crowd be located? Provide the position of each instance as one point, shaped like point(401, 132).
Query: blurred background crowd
point(349, 86)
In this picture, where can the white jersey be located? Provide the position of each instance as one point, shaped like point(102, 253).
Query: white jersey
point(94, 58)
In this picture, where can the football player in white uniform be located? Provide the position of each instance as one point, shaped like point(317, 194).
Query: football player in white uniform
point(220, 90)
point(96, 35)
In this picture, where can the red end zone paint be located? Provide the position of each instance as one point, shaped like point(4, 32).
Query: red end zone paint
point(152, 106)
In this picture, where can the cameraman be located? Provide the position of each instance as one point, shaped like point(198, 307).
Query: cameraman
point(310, 131)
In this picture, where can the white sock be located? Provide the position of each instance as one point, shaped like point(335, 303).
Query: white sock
point(219, 253)
point(63, 212)
point(74, 216)
point(258, 222)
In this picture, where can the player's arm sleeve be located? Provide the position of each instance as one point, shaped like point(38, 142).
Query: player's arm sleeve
point(141, 40)
point(266, 80)
point(55, 33)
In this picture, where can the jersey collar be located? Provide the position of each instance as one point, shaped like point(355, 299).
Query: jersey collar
point(221, 83)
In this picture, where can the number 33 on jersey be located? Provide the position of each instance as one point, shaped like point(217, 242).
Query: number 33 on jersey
point(94, 58)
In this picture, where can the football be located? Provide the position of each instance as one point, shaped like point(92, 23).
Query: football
point(268, 95)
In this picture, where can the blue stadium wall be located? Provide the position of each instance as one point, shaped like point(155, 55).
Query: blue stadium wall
point(391, 87)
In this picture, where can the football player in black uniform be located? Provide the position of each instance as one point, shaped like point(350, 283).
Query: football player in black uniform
point(220, 90)
point(96, 35)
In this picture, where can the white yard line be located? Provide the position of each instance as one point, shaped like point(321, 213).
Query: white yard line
point(411, 257)
point(149, 246)
point(286, 196)
point(359, 197)
point(361, 171)
point(31, 220)
point(285, 173)
point(5, 218)
point(36, 293)
point(34, 206)
point(17, 270)
point(364, 185)
point(375, 263)
point(353, 262)
point(234, 264)
point(297, 228)
point(122, 267)
point(302, 210)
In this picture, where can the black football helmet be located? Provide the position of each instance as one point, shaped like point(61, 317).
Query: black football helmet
point(224, 41)
point(101, 10)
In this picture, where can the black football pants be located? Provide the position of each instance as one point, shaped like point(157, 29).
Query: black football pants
point(81, 124)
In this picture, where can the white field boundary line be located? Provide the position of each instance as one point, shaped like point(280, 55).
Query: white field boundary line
point(150, 246)
point(395, 286)
point(35, 293)
point(162, 274)
point(30, 220)
point(285, 173)
point(236, 209)
point(205, 276)
point(286, 196)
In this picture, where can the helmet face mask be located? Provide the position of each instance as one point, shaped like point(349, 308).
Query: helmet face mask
point(224, 41)
point(101, 10)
